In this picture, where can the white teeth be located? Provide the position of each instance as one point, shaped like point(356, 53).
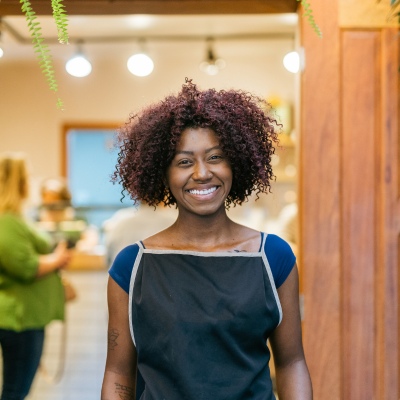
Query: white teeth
point(203, 191)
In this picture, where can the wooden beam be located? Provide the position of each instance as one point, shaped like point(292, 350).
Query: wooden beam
point(166, 7)
point(319, 200)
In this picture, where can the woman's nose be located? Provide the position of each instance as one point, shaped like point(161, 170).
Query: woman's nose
point(201, 171)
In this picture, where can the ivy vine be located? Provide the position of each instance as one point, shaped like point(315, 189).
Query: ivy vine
point(308, 14)
point(394, 10)
point(41, 49)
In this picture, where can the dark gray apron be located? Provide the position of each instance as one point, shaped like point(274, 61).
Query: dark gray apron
point(200, 322)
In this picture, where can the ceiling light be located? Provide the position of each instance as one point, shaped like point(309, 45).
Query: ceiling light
point(291, 61)
point(140, 64)
point(212, 64)
point(78, 65)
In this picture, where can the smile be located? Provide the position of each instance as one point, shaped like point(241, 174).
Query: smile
point(203, 191)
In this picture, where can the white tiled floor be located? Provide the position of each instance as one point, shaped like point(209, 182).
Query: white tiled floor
point(86, 343)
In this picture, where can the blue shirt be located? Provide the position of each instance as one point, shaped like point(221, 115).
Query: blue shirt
point(279, 254)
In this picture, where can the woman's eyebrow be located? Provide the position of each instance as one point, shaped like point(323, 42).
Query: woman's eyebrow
point(192, 152)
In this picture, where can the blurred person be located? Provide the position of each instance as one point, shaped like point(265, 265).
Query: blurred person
point(131, 224)
point(58, 218)
point(31, 291)
point(56, 199)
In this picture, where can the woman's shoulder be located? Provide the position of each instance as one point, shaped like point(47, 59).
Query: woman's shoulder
point(10, 222)
point(10, 218)
point(128, 253)
point(280, 256)
point(274, 243)
point(159, 241)
point(121, 268)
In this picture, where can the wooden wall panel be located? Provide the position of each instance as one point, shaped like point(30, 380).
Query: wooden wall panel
point(388, 244)
point(319, 210)
point(360, 120)
point(349, 208)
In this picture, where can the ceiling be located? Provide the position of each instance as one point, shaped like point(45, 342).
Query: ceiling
point(163, 26)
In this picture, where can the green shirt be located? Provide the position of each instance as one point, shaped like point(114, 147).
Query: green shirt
point(26, 302)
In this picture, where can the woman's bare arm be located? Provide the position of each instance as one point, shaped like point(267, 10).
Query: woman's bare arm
point(119, 381)
point(292, 376)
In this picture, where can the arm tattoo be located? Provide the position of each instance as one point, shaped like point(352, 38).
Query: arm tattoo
point(124, 392)
point(112, 339)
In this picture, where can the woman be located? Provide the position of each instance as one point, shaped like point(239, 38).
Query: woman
point(192, 307)
point(31, 293)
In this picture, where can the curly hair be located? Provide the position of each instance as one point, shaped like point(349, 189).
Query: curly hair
point(241, 121)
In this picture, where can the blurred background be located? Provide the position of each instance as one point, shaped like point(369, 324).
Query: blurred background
point(343, 137)
point(242, 51)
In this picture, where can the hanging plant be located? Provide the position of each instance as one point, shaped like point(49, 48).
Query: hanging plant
point(394, 10)
point(41, 49)
point(308, 14)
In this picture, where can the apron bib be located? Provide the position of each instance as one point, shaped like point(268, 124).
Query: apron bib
point(200, 323)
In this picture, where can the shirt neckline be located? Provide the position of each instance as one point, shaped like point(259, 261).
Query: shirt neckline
point(166, 251)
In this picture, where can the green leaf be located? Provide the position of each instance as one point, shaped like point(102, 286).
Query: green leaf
point(60, 19)
point(40, 48)
point(308, 14)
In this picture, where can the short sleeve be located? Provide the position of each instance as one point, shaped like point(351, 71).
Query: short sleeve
point(280, 257)
point(121, 268)
point(20, 247)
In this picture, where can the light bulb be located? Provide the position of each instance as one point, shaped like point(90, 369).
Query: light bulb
point(78, 66)
point(140, 65)
point(291, 61)
point(212, 67)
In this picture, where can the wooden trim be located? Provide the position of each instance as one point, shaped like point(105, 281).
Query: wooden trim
point(360, 123)
point(387, 304)
point(319, 206)
point(79, 125)
point(178, 7)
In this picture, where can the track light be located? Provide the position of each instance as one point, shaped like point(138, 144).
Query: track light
point(78, 65)
point(291, 61)
point(294, 61)
point(212, 64)
point(140, 64)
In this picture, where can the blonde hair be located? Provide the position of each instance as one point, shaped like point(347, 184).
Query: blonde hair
point(13, 182)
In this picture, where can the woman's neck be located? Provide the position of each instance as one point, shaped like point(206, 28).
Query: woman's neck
point(205, 233)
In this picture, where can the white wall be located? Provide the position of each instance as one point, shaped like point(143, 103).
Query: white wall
point(31, 123)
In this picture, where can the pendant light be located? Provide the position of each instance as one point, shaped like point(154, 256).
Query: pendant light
point(140, 64)
point(78, 65)
point(211, 65)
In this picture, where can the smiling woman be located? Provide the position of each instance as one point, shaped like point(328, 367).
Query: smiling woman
point(199, 176)
point(191, 308)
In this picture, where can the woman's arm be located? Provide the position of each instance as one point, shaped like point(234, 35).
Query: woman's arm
point(292, 376)
point(120, 372)
point(55, 261)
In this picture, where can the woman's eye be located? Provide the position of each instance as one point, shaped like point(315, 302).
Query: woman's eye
point(215, 157)
point(184, 162)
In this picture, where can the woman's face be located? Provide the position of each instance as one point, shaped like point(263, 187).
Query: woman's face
point(199, 176)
